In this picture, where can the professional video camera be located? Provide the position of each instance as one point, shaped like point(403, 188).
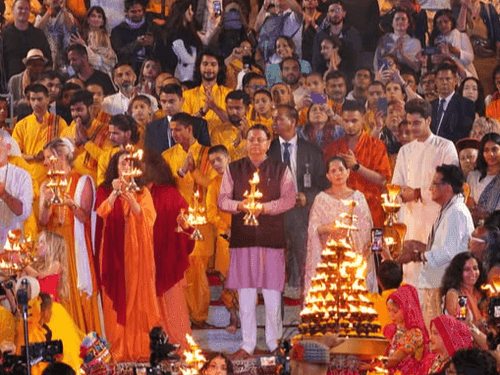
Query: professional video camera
point(161, 353)
point(281, 361)
point(39, 352)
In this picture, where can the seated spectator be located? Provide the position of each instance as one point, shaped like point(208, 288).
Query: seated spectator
point(447, 335)
point(336, 87)
point(451, 42)
point(394, 91)
point(53, 82)
point(399, 43)
point(57, 22)
point(468, 149)
point(133, 39)
point(360, 83)
point(217, 364)
point(239, 63)
point(472, 89)
point(141, 110)
point(408, 334)
point(262, 108)
point(150, 69)
point(35, 63)
point(78, 60)
point(285, 48)
point(20, 37)
point(124, 78)
point(483, 126)
point(389, 278)
point(428, 85)
point(479, 20)
point(331, 51)
point(464, 277)
point(484, 242)
point(321, 128)
point(494, 92)
point(94, 36)
point(282, 94)
point(67, 91)
point(484, 181)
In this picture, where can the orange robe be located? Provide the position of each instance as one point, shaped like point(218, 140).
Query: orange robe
point(493, 109)
point(128, 320)
point(371, 153)
point(82, 308)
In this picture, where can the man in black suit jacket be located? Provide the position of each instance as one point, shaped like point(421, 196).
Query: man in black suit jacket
point(158, 136)
point(306, 164)
point(452, 114)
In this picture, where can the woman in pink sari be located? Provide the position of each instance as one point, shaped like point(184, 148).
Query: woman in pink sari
point(408, 335)
point(328, 207)
point(448, 334)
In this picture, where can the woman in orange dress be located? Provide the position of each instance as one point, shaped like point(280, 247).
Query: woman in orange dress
point(72, 220)
point(127, 264)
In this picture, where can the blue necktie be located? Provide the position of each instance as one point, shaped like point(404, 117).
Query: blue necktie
point(440, 114)
point(286, 153)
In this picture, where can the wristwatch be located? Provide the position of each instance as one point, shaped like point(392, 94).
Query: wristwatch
point(355, 167)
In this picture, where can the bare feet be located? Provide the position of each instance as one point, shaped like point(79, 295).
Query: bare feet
point(201, 325)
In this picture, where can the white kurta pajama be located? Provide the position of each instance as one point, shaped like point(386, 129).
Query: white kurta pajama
point(415, 167)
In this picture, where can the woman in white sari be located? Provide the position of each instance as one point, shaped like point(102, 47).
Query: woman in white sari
point(328, 207)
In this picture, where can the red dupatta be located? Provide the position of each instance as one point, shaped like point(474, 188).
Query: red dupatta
point(406, 297)
point(112, 270)
point(171, 249)
point(455, 334)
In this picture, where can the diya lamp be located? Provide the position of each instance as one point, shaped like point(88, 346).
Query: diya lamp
point(17, 255)
point(196, 217)
point(253, 205)
point(133, 157)
point(193, 358)
point(57, 182)
point(393, 231)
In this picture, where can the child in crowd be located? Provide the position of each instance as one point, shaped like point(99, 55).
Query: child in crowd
point(390, 276)
point(219, 158)
point(262, 112)
point(141, 110)
point(404, 134)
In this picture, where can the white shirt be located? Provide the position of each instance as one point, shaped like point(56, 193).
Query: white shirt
point(451, 238)
point(292, 149)
point(415, 167)
point(18, 183)
point(117, 104)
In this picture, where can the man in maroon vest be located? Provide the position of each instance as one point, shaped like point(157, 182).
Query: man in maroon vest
point(257, 252)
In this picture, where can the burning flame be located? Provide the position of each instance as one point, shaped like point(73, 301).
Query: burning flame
point(193, 358)
point(255, 179)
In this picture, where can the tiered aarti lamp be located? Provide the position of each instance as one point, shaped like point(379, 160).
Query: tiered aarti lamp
point(337, 300)
point(253, 205)
point(193, 358)
point(394, 232)
point(133, 157)
point(17, 254)
point(196, 217)
point(57, 182)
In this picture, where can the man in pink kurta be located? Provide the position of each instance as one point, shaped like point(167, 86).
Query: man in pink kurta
point(257, 252)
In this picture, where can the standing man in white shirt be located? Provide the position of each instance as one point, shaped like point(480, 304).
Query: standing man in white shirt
point(16, 193)
point(449, 236)
point(415, 167)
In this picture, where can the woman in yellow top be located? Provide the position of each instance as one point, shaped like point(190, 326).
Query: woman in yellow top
point(72, 220)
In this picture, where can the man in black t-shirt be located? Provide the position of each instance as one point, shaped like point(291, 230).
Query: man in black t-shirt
point(79, 61)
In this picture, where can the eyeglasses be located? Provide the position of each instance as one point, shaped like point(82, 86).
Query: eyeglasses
point(337, 10)
point(475, 239)
point(438, 183)
point(258, 87)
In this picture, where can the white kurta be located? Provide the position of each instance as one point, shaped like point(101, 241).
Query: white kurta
point(18, 184)
point(415, 167)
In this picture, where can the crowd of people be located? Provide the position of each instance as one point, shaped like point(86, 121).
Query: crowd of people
point(327, 101)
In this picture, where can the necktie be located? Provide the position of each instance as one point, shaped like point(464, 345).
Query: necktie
point(286, 153)
point(440, 113)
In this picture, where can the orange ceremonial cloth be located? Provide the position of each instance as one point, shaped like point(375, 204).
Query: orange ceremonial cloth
point(31, 136)
point(86, 156)
point(371, 153)
point(82, 308)
point(493, 109)
point(130, 341)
